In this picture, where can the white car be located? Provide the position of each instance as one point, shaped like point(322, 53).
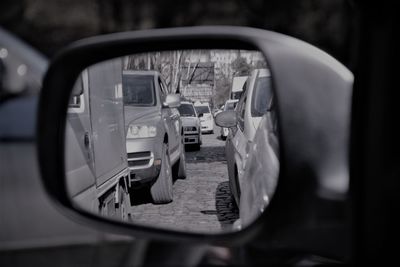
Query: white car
point(206, 118)
point(230, 104)
point(261, 170)
point(190, 124)
point(253, 104)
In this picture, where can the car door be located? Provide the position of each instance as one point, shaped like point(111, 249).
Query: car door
point(239, 140)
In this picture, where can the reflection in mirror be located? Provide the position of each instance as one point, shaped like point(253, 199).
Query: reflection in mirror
point(142, 144)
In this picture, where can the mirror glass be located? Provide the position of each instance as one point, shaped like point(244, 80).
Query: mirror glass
point(142, 145)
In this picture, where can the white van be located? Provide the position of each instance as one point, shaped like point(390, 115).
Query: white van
point(96, 161)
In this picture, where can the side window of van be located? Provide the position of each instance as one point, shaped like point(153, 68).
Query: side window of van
point(76, 98)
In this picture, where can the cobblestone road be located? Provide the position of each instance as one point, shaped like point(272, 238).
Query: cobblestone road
point(202, 201)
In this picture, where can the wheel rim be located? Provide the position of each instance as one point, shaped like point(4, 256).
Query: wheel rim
point(124, 211)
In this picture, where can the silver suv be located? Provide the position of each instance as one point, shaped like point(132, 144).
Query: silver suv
point(153, 133)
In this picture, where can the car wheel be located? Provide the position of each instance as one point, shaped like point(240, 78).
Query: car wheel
point(234, 186)
point(161, 191)
point(197, 146)
point(181, 166)
point(122, 209)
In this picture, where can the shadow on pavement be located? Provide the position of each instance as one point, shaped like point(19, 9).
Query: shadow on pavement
point(140, 196)
point(220, 138)
point(206, 155)
point(226, 210)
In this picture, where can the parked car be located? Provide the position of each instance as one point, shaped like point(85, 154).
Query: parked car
point(261, 169)
point(151, 119)
point(230, 104)
point(96, 161)
point(251, 107)
point(190, 124)
point(206, 119)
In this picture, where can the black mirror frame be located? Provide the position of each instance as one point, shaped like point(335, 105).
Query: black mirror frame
point(65, 69)
point(293, 196)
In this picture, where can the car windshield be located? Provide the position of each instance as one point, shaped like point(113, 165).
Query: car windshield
point(138, 90)
point(230, 106)
point(186, 110)
point(202, 109)
point(261, 97)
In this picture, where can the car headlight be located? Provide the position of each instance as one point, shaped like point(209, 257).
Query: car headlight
point(141, 131)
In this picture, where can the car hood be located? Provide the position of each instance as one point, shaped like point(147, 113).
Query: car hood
point(190, 121)
point(141, 115)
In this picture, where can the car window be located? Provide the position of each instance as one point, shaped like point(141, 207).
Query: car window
point(138, 90)
point(186, 110)
point(75, 101)
point(261, 97)
point(202, 109)
point(241, 111)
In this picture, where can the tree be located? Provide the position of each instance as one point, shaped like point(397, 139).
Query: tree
point(240, 67)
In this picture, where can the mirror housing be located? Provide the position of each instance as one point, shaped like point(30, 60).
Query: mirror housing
point(172, 101)
point(313, 95)
point(226, 119)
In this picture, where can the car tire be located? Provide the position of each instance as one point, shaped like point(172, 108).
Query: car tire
point(122, 209)
point(197, 147)
point(179, 169)
point(235, 191)
point(161, 191)
point(182, 165)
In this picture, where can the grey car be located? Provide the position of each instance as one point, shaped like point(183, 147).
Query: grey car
point(261, 171)
point(153, 134)
point(251, 107)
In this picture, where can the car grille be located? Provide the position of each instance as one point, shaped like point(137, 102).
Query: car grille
point(139, 155)
point(139, 159)
point(190, 129)
point(137, 163)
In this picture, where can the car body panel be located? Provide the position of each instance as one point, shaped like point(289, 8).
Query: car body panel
point(261, 172)
point(95, 135)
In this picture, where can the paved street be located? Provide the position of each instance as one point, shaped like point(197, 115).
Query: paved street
point(202, 201)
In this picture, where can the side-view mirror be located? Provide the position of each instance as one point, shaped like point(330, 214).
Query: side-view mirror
point(200, 115)
point(312, 95)
point(172, 101)
point(226, 119)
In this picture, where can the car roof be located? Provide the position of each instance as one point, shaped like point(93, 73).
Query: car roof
point(141, 72)
point(231, 101)
point(263, 72)
point(186, 102)
point(201, 104)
